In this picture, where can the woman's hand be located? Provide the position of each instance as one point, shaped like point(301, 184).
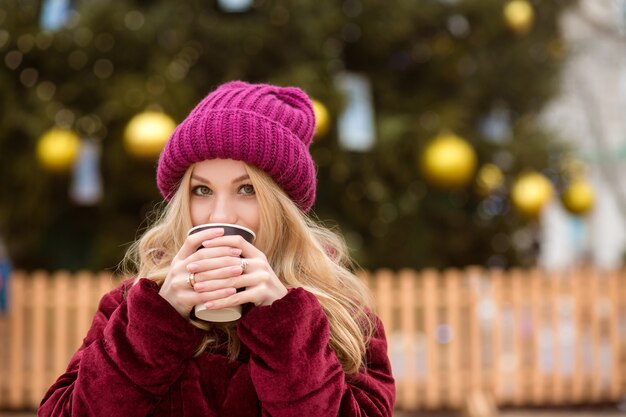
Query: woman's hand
point(216, 276)
point(176, 288)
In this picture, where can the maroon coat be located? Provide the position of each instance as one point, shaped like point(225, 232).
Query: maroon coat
point(137, 360)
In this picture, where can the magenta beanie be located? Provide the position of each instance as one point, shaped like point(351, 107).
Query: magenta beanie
point(263, 125)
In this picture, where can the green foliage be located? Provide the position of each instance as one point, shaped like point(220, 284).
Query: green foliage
point(433, 65)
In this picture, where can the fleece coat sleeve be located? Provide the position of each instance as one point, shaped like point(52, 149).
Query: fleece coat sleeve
point(295, 372)
point(134, 351)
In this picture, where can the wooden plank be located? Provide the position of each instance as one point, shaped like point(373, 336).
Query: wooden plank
point(84, 308)
point(4, 357)
point(455, 375)
point(474, 276)
point(622, 309)
point(595, 323)
point(555, 298)
point(384, 298)
point(518, 300)
point(384, 306)
point(536, 299)
point(578, 374)
point(433, 394)
point(19, 288)
point(107, 281)
point(496, 383)
point(421, 354)
point(408, 328)
point(615, 391)
point(38, 332)
point(60, 334)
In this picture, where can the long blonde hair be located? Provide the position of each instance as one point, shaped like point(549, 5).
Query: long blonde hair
point(301, 252)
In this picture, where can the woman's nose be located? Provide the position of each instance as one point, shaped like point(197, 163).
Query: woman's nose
point(222, 211)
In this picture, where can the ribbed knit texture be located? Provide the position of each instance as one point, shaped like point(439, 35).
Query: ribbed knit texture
point(263, 125)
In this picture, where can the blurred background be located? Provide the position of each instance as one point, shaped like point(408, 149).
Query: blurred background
point(92, 89)
point(451, 135)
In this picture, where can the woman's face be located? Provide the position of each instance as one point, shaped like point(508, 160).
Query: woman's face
point(221, 192)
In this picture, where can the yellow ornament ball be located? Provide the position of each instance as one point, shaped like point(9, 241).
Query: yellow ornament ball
point(519, 16)
point(322, 119)
point(57, 149)
point(579, 197)
point(146, 133)
point(489, 178)
point(530, 193)
point(448, 161)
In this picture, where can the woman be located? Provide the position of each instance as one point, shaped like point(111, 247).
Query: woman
point(308, 343)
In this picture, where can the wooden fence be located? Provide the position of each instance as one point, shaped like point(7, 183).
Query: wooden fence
point(522, 337)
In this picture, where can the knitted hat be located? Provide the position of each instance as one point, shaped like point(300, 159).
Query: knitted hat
point(263, 125)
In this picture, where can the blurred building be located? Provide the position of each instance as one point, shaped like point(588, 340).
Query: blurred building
point(590, 115)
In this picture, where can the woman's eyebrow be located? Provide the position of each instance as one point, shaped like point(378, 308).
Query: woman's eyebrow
point(241, 178)
point(198, 178)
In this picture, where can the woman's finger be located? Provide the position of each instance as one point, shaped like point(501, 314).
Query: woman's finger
point(216, 252)
point(257, 288)
point(248, 250)
point(215, 295)
point(202, 266)
point(194, 241)
point(249, 295)
point(208, 280)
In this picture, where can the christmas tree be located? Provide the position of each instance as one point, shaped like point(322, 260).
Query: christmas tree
point(475, 72)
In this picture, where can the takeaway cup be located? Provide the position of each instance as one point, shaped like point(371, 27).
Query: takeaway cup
point(229, 313)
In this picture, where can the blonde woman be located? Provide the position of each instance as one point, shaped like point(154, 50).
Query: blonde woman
point(307, 344)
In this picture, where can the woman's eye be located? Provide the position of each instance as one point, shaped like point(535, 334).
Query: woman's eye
point(201, 190)
point(247, 189)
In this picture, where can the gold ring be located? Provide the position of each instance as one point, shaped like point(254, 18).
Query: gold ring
point(244, 264)
point(191, 280)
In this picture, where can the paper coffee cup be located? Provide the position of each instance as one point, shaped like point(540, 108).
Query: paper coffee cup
point(229, 313)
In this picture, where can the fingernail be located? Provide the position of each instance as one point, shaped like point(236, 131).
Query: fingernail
point(235, 251)
point(235, 269)
point(192, 267)
point(209, 304)
point(198, 287)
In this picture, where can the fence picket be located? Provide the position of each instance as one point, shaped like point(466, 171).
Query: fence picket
point(84, 308)
point(475, 277)
point(519, 347)
point(555, 298)
point(4, 357)
point(16, 381)
point(621, 330)
point(384, 307)
point(455, 373)
point(614, 334)
point(595, 293)
point(578, 376)
point(496, 380)
point(431, 295)
point(60, 337)
point(408, 328)
point(37, 332)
